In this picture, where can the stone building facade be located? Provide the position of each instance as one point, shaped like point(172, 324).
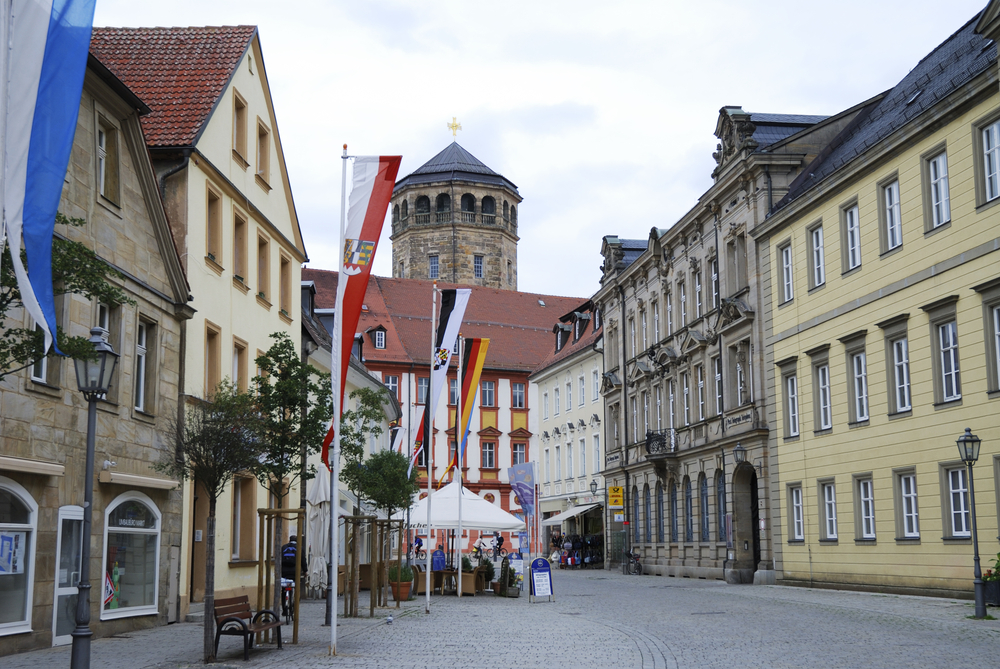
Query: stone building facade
point(455, 219)
point(135, 541)
point(683, 382)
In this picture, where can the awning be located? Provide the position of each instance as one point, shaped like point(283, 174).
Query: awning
point(568, 513)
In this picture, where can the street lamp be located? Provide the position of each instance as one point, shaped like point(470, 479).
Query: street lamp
point(739, 454)
point(968, 450)
point(593, 487)
point(93, 378)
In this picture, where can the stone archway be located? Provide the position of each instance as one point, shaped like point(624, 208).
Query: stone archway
point(746, 521)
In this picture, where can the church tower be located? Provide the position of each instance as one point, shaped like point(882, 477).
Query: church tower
point(455, 219)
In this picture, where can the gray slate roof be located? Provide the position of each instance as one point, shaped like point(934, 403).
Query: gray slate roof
point(454, 163)
point(633, 248)
point(772, 128)
point(959, 59)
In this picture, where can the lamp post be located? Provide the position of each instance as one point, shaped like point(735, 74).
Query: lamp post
point(739, 454)
point(93, 378)
point(593, 487)
point(968, 450)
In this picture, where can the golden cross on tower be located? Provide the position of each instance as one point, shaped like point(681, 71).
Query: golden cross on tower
point(454, 126)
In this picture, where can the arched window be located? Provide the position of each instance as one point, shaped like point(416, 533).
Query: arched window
point(489, 210)
point(506, 210)
point(635, 513)
point(649, 514)
point(131, 556)
point(468, 208)
point(18, 521)
point(673, 511)
point(395, 213)
point(659, 512)
point(405, 209)
point(513, 215)
point(423, 205)
point(688, 512)
point(443, 202)
point(720, 503)
point(703, 494)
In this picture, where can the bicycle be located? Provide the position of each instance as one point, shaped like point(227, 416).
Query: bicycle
point(418, 554)
point(491, 554)
point(631, 565)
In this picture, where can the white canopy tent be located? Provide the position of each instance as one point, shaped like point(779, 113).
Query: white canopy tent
point(477, 513)
point(318, 528)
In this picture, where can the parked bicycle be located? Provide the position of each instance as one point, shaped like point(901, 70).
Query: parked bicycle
point(418, 554)
point(630, 564)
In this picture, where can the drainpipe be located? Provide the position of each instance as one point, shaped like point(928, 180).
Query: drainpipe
point(770, 199)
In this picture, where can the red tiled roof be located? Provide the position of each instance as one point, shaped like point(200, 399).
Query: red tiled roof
point(519, 327)
point(179, 72)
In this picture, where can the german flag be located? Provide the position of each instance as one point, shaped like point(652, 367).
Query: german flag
point(473, 359)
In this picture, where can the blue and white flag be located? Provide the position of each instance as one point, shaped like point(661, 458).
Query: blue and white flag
point(45, 45)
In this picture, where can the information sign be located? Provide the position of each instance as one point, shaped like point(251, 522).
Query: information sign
point(616, 497)
point(438, 560)
point(541, 580)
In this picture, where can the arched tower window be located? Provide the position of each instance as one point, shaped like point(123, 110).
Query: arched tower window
point(423, 209)
point(395, 213)
point(513, 216)
point(506, 210)
point(468, 208)
point(489, 210)
point(405, 209)
point(443, 208)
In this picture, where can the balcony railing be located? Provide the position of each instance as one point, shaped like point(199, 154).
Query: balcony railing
point(422, 219)
point(468, 217)
point(489, 219)
point(444, 217)
point(661, 442)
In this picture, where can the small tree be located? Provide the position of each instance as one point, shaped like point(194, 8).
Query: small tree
point(294, 408)
point(217, 440)
point(357, 426)
point(75, 270)
point(385, 483)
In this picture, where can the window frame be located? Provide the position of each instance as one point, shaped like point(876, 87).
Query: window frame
point(820, 360)
point(936, 157)
point(240, 111)
point(850, 236)
point(904, 499)
point(134, 496)
point(942, 313)
point(864, 508)
point(423, 388)
point(796, 515)
point(790, 405)
point(108, 161)
point(263, 167)
point(787, 272)
point(827, 489)
point(517, 395)
point(948, 499)
point(477, 266)
point(31, 539)
point(817, 256)
point(487, 394)
point(433, 266)
point(989, 293)
point(857, 375)
point(889, 214)
point(894, 332)
point(487, 448)
point(986, 196)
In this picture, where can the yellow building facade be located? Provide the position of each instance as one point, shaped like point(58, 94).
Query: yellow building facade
point(881, 285)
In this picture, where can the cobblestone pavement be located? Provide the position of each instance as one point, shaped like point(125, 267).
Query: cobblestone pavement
point(600, 619)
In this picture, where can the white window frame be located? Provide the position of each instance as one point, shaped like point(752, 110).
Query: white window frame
point(569, 396)
point(685, 383)
point(31, 530)
point(40, 367)
point(555, 402)
point(545, 406)
point(596, 378)
point(569, 459)
point(798, 521)
point(825, 408)
point(991, 160)
point(700, 377)
point(477, 266)
point(859, 371)
point(659, 408)
point(558, 463)
point(132, 495)
point(142, 330)
point(787, 273)
point(518, 453)
point(852, 240)
point(597, 453)
point(940, 196)
point(682, 291)
point(893, 224)
point(583, 390)
point(715, 283)
point(901, 373)
point(719, 387)
point(517, 390)
point(698, 302)
point(818, 255)
point(656, 322)
point(548, 466)
point(958, 496)
point(379, 339)
point(948, 356)
point(792, 404)
point(908, 497)
point(830, 510)
point(669, 309)
point(866, 501)
point(487, 393)
point(488, 455)
point(433, 266)
point(583, 456)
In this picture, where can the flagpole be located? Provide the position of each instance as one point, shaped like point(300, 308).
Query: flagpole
point(459, 438)
point(428, 431)
point(338, 319)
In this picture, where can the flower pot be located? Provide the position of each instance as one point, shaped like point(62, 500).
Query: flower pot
point(401, 591)
point(992, 590)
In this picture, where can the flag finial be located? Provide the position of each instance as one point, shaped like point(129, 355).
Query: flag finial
point(454, 126)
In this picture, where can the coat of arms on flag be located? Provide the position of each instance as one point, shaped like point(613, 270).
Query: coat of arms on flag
point(358, 252)
point(440, 358)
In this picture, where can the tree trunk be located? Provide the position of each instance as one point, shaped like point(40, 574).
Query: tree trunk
point(209, 640)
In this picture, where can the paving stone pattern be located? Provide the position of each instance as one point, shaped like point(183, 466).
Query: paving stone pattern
point(600, 619)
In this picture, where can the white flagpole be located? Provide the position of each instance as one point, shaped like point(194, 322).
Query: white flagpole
point(338, 320)
point(459, 434)
point(428, 438)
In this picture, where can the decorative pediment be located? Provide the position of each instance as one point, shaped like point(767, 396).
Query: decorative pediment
point(595, 420)
point(734, 310)
point(665, 355)
point(545, 435)
point(693, 341)
point(580, 424)
point(570, 426)
point(556, 432)
point(735, 132)
point(639, 371)
point(520, 433)
point(489, 432)
point(610, 382)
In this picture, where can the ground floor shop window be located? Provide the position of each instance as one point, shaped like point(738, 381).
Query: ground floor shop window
point(18, 518)
point(131, 556)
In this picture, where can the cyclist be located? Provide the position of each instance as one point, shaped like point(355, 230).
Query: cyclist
point(480, 547)
point(418, 545)
point(497, 543)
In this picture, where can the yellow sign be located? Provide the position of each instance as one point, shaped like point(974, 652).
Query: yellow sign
point(616, 497)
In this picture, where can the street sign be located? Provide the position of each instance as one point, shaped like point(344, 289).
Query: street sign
point(616, 497)
point(619, 516)
point(541, 580)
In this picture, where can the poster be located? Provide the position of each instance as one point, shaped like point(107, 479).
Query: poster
point(12, 552)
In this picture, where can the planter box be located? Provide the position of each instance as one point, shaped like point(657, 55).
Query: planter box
point(401, 591)
point(992, 590)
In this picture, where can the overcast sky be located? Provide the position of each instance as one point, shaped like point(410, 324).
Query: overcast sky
point(601, 113)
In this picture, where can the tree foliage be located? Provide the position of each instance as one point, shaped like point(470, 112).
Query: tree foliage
point(384, 481)
point(357, 426)
point(76, 270)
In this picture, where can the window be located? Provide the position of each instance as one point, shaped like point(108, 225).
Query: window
point(648, 524)
point(263, 152)
point(828, 504)
point(583, 457)
point(944, 343)
point(555, 400)
point(488, 394)
point(851, 226)
point(595, 377)
point(510, 272)
point(717, 365)
point(683, 298)
point(244, 518)
point(720, 504)
point(145, 344)
point(558, 463)
point(453, 392)
point(422, 458)
point(519, 454)
point(635, 513)
point(131, 555)
point(685, 388)
point(635, 419)
point(423, 389)
point(786, 273)
point(263, 267)
point(239, 128)
point(958, 501)
point(285, 288)
point(642, 323)
point(645, 413)
point(659, 408)
point(40, 368)
point(688, 512)
point(859, 371)
point(477, 266)
point(569, 395)
point(991, 160)
point(631, 329)
point(668, 307)
point(990, 294)
point(380, 339)
point(715, 283)
point(107, 161)
point(583, 390)
point(897, 351)
point(545, 406)
point(736, 252)
point(392, 383)
point(671, 403)
point(488, 455)
point(673, 512)
point(698, 301)
point(703, 510)
point(892, 228)
point(656, 322)
point(906, 512)
point(864, 508)
point(213, 358)
point(797, 530)
point(213, 242)
point(792, 405)
point(18, 522)
point(822, 409)
point(569, 460)
point(937, 197)
point(597, 453)
point(817, 262)
point(659, 513)
point(240, 248)
point(517, 395)
point(548, 468)
point(432, 262)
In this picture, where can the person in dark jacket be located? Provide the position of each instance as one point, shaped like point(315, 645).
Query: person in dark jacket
point(288, 553)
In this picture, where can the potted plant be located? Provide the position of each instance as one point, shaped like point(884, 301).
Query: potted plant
point(991, 583)
point(489, 573)
point(400, 580)
point(508, 583)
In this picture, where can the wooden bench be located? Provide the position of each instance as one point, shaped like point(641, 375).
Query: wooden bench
point(233, 617)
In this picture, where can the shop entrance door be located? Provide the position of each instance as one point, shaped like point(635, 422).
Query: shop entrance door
point(69, 547)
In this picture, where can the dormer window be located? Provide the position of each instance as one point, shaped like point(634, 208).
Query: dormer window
point(379, 339)
point(559, 340)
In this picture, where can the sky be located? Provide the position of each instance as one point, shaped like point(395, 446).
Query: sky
point(601, 113)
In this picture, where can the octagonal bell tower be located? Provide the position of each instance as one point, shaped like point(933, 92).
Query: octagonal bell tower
point(455, 219)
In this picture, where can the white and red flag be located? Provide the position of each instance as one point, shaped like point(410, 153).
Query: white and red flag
point(372, 183)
